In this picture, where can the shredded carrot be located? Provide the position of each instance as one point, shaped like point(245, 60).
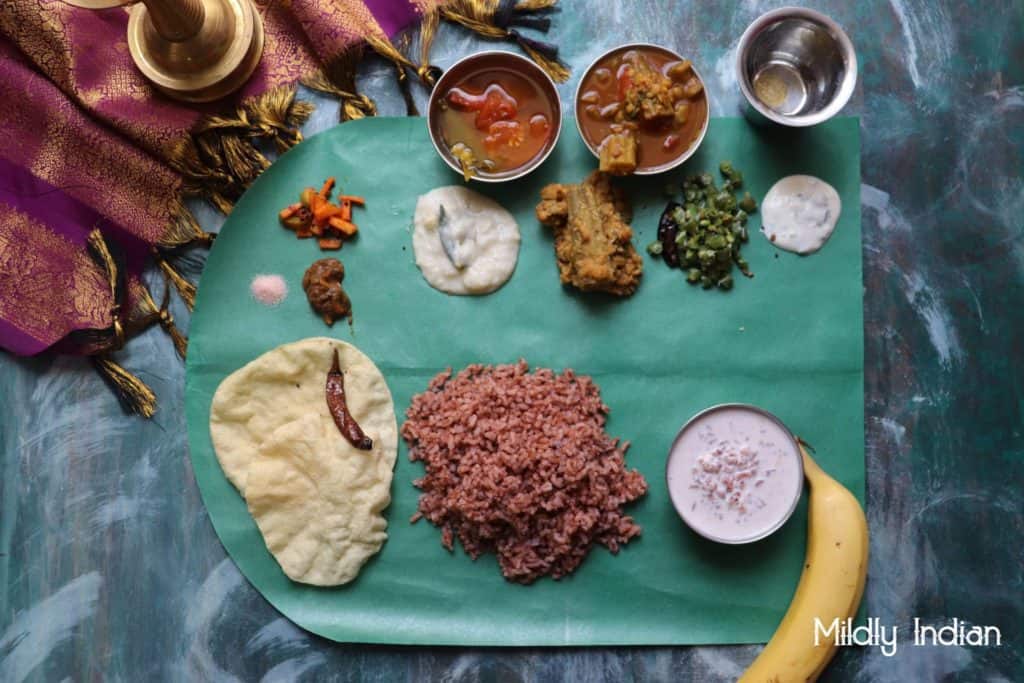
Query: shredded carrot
point(345, 227)
point(289, 211)
point(324, 211)
point(331, 222)
point(329, 243)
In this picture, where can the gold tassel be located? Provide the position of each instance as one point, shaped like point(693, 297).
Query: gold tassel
point(177, 338)
point(428, 31)
point(387, 50)
point(91, 341)
point(100, 253)
point(220, 160)
point(278, 115)
point(559, 72)
point(476, 15)
point(149, 313)
point(405, 83)
point(383, 47)
point(535, 5)
point(131, 392)
point(244, 162)
point(427, 73)
point(135, 396)
point(497, 19)
point(183, 229)
point(186, 290)
point(200, 178)
point(338, 78)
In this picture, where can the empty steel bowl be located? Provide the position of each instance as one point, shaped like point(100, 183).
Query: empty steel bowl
point(501, 61)
point(795, 67)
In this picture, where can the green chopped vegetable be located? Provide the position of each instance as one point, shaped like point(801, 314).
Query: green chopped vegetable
point(733, 178)
point(748, 203)
point(711, 228)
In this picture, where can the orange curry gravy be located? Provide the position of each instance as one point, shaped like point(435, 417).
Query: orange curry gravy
point(495, 121)
point(648, 93)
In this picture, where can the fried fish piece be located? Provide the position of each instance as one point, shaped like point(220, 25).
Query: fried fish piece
point(553, 208)
point(593, 244)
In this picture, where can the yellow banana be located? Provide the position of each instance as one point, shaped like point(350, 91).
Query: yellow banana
point(830, 587)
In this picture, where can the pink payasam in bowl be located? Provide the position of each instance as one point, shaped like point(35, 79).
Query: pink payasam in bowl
point(734, 473)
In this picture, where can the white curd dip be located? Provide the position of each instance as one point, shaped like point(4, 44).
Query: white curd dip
point(734, 474)
point(800, 213)
point(465, 243)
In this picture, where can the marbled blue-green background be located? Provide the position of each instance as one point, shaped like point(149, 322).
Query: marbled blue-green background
point(110, 570)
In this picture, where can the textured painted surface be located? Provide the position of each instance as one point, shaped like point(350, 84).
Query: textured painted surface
point(109, 569)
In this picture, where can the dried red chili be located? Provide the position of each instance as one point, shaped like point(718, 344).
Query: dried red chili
point(347, 424)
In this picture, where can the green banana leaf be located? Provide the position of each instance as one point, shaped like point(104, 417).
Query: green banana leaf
point(789, 340)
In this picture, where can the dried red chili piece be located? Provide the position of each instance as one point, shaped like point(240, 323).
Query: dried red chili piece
point(347, 424)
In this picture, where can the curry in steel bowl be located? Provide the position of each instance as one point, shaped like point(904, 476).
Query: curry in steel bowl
point(494, 116)
point(641, 109)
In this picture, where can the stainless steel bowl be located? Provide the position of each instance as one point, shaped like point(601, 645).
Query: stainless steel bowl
point(686, 154)
point(682, 512)
point(796, 67)
point(498, 60)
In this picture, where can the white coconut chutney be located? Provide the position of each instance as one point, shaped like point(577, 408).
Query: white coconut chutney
point(465, 243)
point(799, 213)
point(734, 474)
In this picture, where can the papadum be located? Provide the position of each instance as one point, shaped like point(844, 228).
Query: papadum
point(317, 500)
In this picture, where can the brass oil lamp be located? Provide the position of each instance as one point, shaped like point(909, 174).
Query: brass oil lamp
point(192, 50)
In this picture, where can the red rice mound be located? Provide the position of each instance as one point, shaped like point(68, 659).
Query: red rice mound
point(519, 464)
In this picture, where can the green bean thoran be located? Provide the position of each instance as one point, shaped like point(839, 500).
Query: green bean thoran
point(707, 229)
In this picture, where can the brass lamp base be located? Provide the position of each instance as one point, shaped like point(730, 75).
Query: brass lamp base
point(192, 50)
